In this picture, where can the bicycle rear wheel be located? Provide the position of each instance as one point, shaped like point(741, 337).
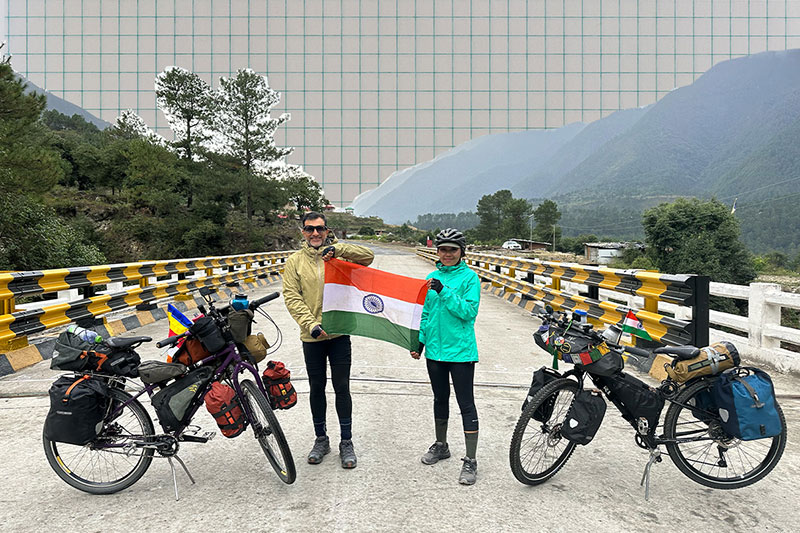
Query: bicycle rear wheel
point(705, 453)
point(538, 451)
point(269, 433)
point(111, 462)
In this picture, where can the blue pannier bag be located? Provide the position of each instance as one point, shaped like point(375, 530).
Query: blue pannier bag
point(745, 399)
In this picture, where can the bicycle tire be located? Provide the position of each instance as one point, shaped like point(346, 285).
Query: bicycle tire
point(92, 468)
point(745, 462)
point(268, 432)
point(534, 440)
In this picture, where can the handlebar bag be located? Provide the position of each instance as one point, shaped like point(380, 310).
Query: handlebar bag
point(745, 400)
point(584, 417)
point(190, 352)
point(712, 360)
point(257, 346)
point(277, 382)
point(222, 403)
point(241, 323)
point(638, 398)
point(542, 377)
point(77, 407)
point(205, 329)
point(172, 403)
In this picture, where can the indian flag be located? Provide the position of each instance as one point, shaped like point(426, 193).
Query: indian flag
point(633, 325)
point(359, 300)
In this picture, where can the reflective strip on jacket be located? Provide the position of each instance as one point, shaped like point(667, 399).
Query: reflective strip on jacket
point(447, 327)
point(304, 279)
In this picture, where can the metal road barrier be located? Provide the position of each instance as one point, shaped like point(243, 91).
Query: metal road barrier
point(687, 291)
point(16, 324)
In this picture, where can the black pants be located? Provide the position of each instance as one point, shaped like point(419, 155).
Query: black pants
point(463, 375)
point(339, 353)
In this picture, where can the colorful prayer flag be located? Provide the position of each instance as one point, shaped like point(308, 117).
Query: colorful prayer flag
point(178, 322)
point(359, 300)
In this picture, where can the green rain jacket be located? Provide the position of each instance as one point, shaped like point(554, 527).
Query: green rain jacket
point(447, 327)
point(304, 278)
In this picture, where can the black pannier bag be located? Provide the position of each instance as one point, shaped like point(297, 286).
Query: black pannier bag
point(208, 333)
point(542, 377)
point(641, 400)
point(77, 407)
point(173, 401)
point(70, 352)
point(584, 417)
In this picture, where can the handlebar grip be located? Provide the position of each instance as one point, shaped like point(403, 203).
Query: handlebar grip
point(637, 351)
point(255, 304)
point(170, 340)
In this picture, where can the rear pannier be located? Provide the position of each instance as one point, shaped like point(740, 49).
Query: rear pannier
point(77, 407)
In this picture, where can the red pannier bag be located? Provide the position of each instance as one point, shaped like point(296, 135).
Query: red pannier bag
point(278, 385)
point(223, 405)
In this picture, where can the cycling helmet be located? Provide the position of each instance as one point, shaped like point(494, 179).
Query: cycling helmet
point(451, 236)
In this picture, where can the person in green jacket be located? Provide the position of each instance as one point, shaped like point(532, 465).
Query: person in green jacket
point(447, 336)
point(303, 280)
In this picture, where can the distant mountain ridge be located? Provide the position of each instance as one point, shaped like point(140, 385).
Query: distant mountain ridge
point(731, 134)
point(65, 107)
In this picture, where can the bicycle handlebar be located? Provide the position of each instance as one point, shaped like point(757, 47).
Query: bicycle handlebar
point(255, 304)
point(169, 341)
point(637, 351)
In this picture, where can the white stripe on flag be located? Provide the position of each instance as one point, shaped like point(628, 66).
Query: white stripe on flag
point(337, 297)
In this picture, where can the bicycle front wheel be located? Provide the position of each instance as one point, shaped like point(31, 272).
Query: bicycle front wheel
point(269, 433)
point(538, 451)
point(114, 460)
point(705, 453)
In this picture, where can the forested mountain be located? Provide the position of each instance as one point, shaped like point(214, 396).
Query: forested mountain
point(64, 107)
point(732, 134)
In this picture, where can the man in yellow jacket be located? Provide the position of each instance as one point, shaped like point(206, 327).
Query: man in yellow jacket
point(303, 280)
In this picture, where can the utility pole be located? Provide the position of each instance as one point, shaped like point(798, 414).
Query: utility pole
point(554, 237)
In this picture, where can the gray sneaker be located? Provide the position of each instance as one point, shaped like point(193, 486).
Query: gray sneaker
point(347, 454)
point(436, 452)
point(322, 447)
point(469, 472)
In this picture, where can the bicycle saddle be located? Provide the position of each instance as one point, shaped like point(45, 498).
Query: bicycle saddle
point(680, 352)
point(124, 342)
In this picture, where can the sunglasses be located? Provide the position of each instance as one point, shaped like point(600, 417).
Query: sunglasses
point(312, 229)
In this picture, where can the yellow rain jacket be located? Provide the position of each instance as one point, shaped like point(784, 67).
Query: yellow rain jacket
point(304, 278)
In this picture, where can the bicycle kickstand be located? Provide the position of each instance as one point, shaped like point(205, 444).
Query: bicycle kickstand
point(174, 477)
point(655, 457)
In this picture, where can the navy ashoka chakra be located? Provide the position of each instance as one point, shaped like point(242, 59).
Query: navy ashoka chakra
point(372, 304)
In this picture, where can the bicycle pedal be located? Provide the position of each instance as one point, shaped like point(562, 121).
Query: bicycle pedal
point(198, 437)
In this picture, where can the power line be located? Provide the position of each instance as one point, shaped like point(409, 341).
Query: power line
point(759, 188)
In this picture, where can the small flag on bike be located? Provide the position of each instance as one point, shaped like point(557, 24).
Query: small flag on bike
point(178, 322)
point(634, 326)
point(359, 300)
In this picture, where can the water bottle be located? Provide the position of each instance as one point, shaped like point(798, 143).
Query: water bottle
point(86, 335)
point(579, 316)
point(239, 302)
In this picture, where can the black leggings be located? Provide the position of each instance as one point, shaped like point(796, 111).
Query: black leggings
point(338, 352)
point(463, 376)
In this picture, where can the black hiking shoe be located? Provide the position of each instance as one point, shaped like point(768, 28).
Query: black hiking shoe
point(469, 472)
point(322, 447)
point(347, 454)
point(435, 453)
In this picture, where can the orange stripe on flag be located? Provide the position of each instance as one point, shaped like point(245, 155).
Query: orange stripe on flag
point(375, 281)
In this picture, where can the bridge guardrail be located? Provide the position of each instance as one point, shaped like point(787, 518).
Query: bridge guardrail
point(687, 290)
point(16, 324)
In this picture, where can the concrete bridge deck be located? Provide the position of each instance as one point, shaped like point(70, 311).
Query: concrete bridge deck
point(598, 490)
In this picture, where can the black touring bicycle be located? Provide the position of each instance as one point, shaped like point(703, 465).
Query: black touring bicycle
point(561, 411)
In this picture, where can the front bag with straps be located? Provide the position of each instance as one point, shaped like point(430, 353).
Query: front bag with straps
point(277, 382)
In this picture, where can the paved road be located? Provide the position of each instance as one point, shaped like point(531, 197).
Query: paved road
point(598, 490)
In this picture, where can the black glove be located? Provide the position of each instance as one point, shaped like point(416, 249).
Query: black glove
point(436, 285)
point(316, 331)
point(421, 347)
point(329, 249)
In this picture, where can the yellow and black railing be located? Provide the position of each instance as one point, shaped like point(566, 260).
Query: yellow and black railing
point(144, 287)
point(685, 290)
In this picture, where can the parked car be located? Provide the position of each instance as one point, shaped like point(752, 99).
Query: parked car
point(512, 245)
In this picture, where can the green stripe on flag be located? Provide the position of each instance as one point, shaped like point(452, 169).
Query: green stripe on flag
point(374, 327)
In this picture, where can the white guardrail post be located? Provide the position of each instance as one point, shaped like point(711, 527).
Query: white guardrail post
point(761, 314)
